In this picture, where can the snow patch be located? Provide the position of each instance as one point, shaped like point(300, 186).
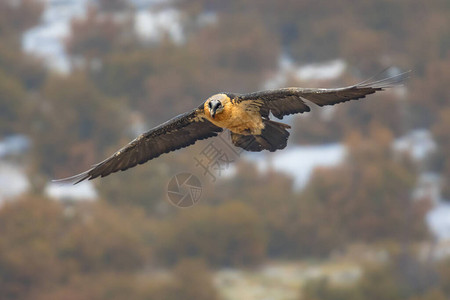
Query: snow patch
point(428, 187)
point(322, 71)
point(418, 143)
point(13, 181)
point(152, 26)
point(287, 68)
point(299, 161)
point(438, 220)
point(67, 192)
point(14, 145)
point(46, 39)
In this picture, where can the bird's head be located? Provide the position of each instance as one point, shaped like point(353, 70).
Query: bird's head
point(216, 104)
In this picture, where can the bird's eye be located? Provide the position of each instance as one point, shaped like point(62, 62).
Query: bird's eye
point(210, 105)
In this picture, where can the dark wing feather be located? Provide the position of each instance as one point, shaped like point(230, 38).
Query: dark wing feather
point(179, 132)
point(286, 101)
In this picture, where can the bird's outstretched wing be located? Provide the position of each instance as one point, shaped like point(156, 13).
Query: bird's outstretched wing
point(179, 132)
point(286, 101)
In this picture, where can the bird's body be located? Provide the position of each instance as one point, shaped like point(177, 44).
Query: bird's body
point(238, 117)
point(246, 116)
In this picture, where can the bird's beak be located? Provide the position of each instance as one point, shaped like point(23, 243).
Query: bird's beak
point(214, 106)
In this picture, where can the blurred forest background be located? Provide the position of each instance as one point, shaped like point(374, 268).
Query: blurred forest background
point(363, 227)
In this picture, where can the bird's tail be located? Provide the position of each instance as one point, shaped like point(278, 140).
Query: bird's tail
point(273, 137)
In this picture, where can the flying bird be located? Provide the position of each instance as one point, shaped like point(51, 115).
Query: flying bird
point(246, 116)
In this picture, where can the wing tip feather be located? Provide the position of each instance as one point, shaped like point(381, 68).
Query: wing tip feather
point(74, 179)
point(385, 82)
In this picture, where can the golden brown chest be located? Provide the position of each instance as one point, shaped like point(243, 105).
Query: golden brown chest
point(237, 119)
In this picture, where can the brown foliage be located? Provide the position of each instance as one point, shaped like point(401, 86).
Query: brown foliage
point(45, 249)
point(72, 114)
point(230, 234)
point(368, 196)
point(192, 280)
point(402, 278)
point(102, 239)
point(30, 229)
point(18, 16)
point(98, 34)
point(12, 105)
